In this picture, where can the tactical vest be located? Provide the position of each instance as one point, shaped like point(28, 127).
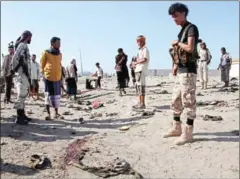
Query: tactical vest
point(179, 56)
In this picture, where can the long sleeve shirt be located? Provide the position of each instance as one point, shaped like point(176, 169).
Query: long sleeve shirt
point(22, 50)
point(35, 71)
point(7, 66)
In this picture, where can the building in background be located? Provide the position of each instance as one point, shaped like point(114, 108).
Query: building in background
point(234, 72)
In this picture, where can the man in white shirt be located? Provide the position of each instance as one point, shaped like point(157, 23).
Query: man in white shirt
point(141, 70)
point(203, 62)
point(35, 77)
point(225, 66)
point(98, 74)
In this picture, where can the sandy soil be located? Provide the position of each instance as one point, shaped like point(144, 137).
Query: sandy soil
point(213, 154)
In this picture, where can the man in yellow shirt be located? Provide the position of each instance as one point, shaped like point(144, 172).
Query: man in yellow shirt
point(51, 69)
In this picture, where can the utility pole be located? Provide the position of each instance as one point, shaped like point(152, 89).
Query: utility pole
point(81, 63)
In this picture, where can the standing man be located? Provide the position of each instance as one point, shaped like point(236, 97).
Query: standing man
point(98, 74)
point(35, 77)
point(71, 79)
point(184, 92)
point(225, 66)
point(21, 66)
point(141, 70)
point(7, 74)
point(52, 73)
point(203, 62)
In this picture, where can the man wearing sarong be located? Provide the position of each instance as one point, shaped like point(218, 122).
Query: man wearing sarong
point(7, 74)
point(225, 66)
point(203, 62)
point(141, 70)
point(51, 69)
point(184, 91)
point(121, 70)
point(71, 79)
point(21, 66)
point(35, 77)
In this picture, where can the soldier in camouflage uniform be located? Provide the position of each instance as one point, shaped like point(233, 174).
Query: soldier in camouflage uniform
point(21, 66)
point(184, 96)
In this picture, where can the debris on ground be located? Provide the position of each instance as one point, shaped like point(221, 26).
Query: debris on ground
point(215, 102)
point(76, 151)
point(97, 104)
point(228, 89)
point(199, 94)
point(81, 120)
point(124, 128)
point(93, 115)
point(66, 113)
point(39, 161)
point(212, 118)
point(111, 114)
point(111, 101)
point(148, 113)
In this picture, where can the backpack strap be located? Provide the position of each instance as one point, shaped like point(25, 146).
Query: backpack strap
point(184, 32)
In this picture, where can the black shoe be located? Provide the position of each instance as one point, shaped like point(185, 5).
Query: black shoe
point(21, 120)
point(26, 118)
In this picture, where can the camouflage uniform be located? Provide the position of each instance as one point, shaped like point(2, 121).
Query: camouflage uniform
point(22, 80)
point(184, 96)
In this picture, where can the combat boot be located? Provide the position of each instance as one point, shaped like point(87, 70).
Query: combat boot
point(186, 136)
point(175, 131)
point(21, 120)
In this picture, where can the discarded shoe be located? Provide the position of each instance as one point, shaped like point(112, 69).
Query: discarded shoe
point(212, 118)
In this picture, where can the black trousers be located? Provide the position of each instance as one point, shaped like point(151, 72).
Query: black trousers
point(8, 83)
point(99, 82)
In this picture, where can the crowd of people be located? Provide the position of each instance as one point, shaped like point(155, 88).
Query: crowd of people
point(188, 60)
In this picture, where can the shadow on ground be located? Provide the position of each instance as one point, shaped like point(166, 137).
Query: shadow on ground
point(231, 136)
point(16, 169)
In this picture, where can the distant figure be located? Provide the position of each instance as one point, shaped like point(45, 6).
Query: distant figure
point(141, 70)
point(35, 77)
point(225, 66)
point(184, 91)
point(63, 81)
point(21, 66)
point(7, 74)
point(203, 62)
point(121, 70)
point(132, 67)
point(98, 74)
point(52, 70)
point(71, 79)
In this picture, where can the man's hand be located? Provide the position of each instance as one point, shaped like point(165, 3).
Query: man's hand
point(175, 42)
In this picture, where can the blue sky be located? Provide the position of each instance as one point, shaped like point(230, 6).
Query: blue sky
point(100, 28)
